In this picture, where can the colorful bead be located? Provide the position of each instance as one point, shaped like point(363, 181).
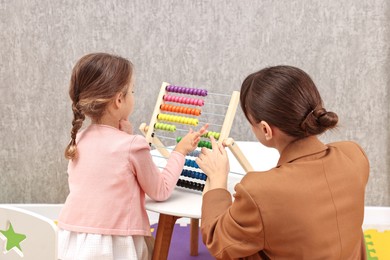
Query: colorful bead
point(185, 90)
point(166, 127)
point(178, 119)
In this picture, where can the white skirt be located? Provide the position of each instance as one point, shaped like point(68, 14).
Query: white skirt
point(84, 246)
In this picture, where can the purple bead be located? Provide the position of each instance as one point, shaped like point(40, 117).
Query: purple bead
point(204, 92)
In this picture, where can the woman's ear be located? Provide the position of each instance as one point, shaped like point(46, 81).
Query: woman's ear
point(266, 130)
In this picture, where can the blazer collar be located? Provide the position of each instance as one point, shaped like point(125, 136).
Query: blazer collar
point(301, 148)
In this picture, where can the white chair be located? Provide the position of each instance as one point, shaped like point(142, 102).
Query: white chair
point(26, 235)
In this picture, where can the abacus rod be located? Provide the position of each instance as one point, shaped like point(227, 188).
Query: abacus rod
point(192, 126)
point(182, 130)
point(213, 114)
point(177, 129)
point(202, 112)
point(218, 94)
point(216, 104)
point(165, 147)
point(209, 123)
point(238, 173)
point(205, 104)
point(165, 137)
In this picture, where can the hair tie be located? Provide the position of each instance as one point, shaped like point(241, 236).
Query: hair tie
point(320, 112)
point(306, 119)
point(72, 141)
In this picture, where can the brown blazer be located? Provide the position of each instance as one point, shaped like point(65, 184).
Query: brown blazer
point(311, 206)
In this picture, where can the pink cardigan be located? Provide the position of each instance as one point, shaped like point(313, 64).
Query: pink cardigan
point(109, 180)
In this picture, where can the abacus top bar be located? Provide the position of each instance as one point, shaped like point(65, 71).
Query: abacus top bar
point(185, 90)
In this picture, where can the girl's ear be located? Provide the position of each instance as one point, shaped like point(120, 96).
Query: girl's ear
point(266, 130)
point(118, 99)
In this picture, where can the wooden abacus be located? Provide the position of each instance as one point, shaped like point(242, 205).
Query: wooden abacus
point(164, 116)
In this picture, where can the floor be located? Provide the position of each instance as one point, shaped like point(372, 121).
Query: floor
point(180, 244)
point(376, 232)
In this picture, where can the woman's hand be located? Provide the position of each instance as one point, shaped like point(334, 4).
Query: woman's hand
point(125, 126)
point(215, 164)
point(190, 141)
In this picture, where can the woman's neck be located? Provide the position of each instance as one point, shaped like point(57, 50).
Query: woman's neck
point(282, 140)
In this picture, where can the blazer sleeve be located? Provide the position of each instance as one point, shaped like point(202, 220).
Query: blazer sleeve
point(229, 229)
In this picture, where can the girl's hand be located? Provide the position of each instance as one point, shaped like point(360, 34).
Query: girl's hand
point(190, 141)
point(125, 126)
point(215, 164)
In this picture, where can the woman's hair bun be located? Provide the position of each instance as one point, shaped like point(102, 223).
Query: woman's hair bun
point(325, 118)
point(318, 121)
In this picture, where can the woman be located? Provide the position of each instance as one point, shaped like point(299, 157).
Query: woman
point(311, 205)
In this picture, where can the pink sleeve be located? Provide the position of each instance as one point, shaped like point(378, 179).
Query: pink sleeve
point(158, 185)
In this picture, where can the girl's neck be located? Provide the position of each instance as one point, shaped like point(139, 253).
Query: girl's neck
point(107, 119)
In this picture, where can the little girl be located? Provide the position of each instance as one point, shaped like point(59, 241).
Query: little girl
point(110, 169)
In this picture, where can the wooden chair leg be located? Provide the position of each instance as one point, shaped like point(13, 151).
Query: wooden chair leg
point(194, 236)
point(165, 227)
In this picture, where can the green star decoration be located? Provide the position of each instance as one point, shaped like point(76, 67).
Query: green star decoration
point(13, 239)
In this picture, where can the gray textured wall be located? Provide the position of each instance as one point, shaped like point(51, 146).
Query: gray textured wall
point(214, 44)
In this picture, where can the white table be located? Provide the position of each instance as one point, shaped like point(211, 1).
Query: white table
point(187, 203)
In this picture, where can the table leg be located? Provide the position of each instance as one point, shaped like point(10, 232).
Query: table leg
point(194, 236)
point(163, 236)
